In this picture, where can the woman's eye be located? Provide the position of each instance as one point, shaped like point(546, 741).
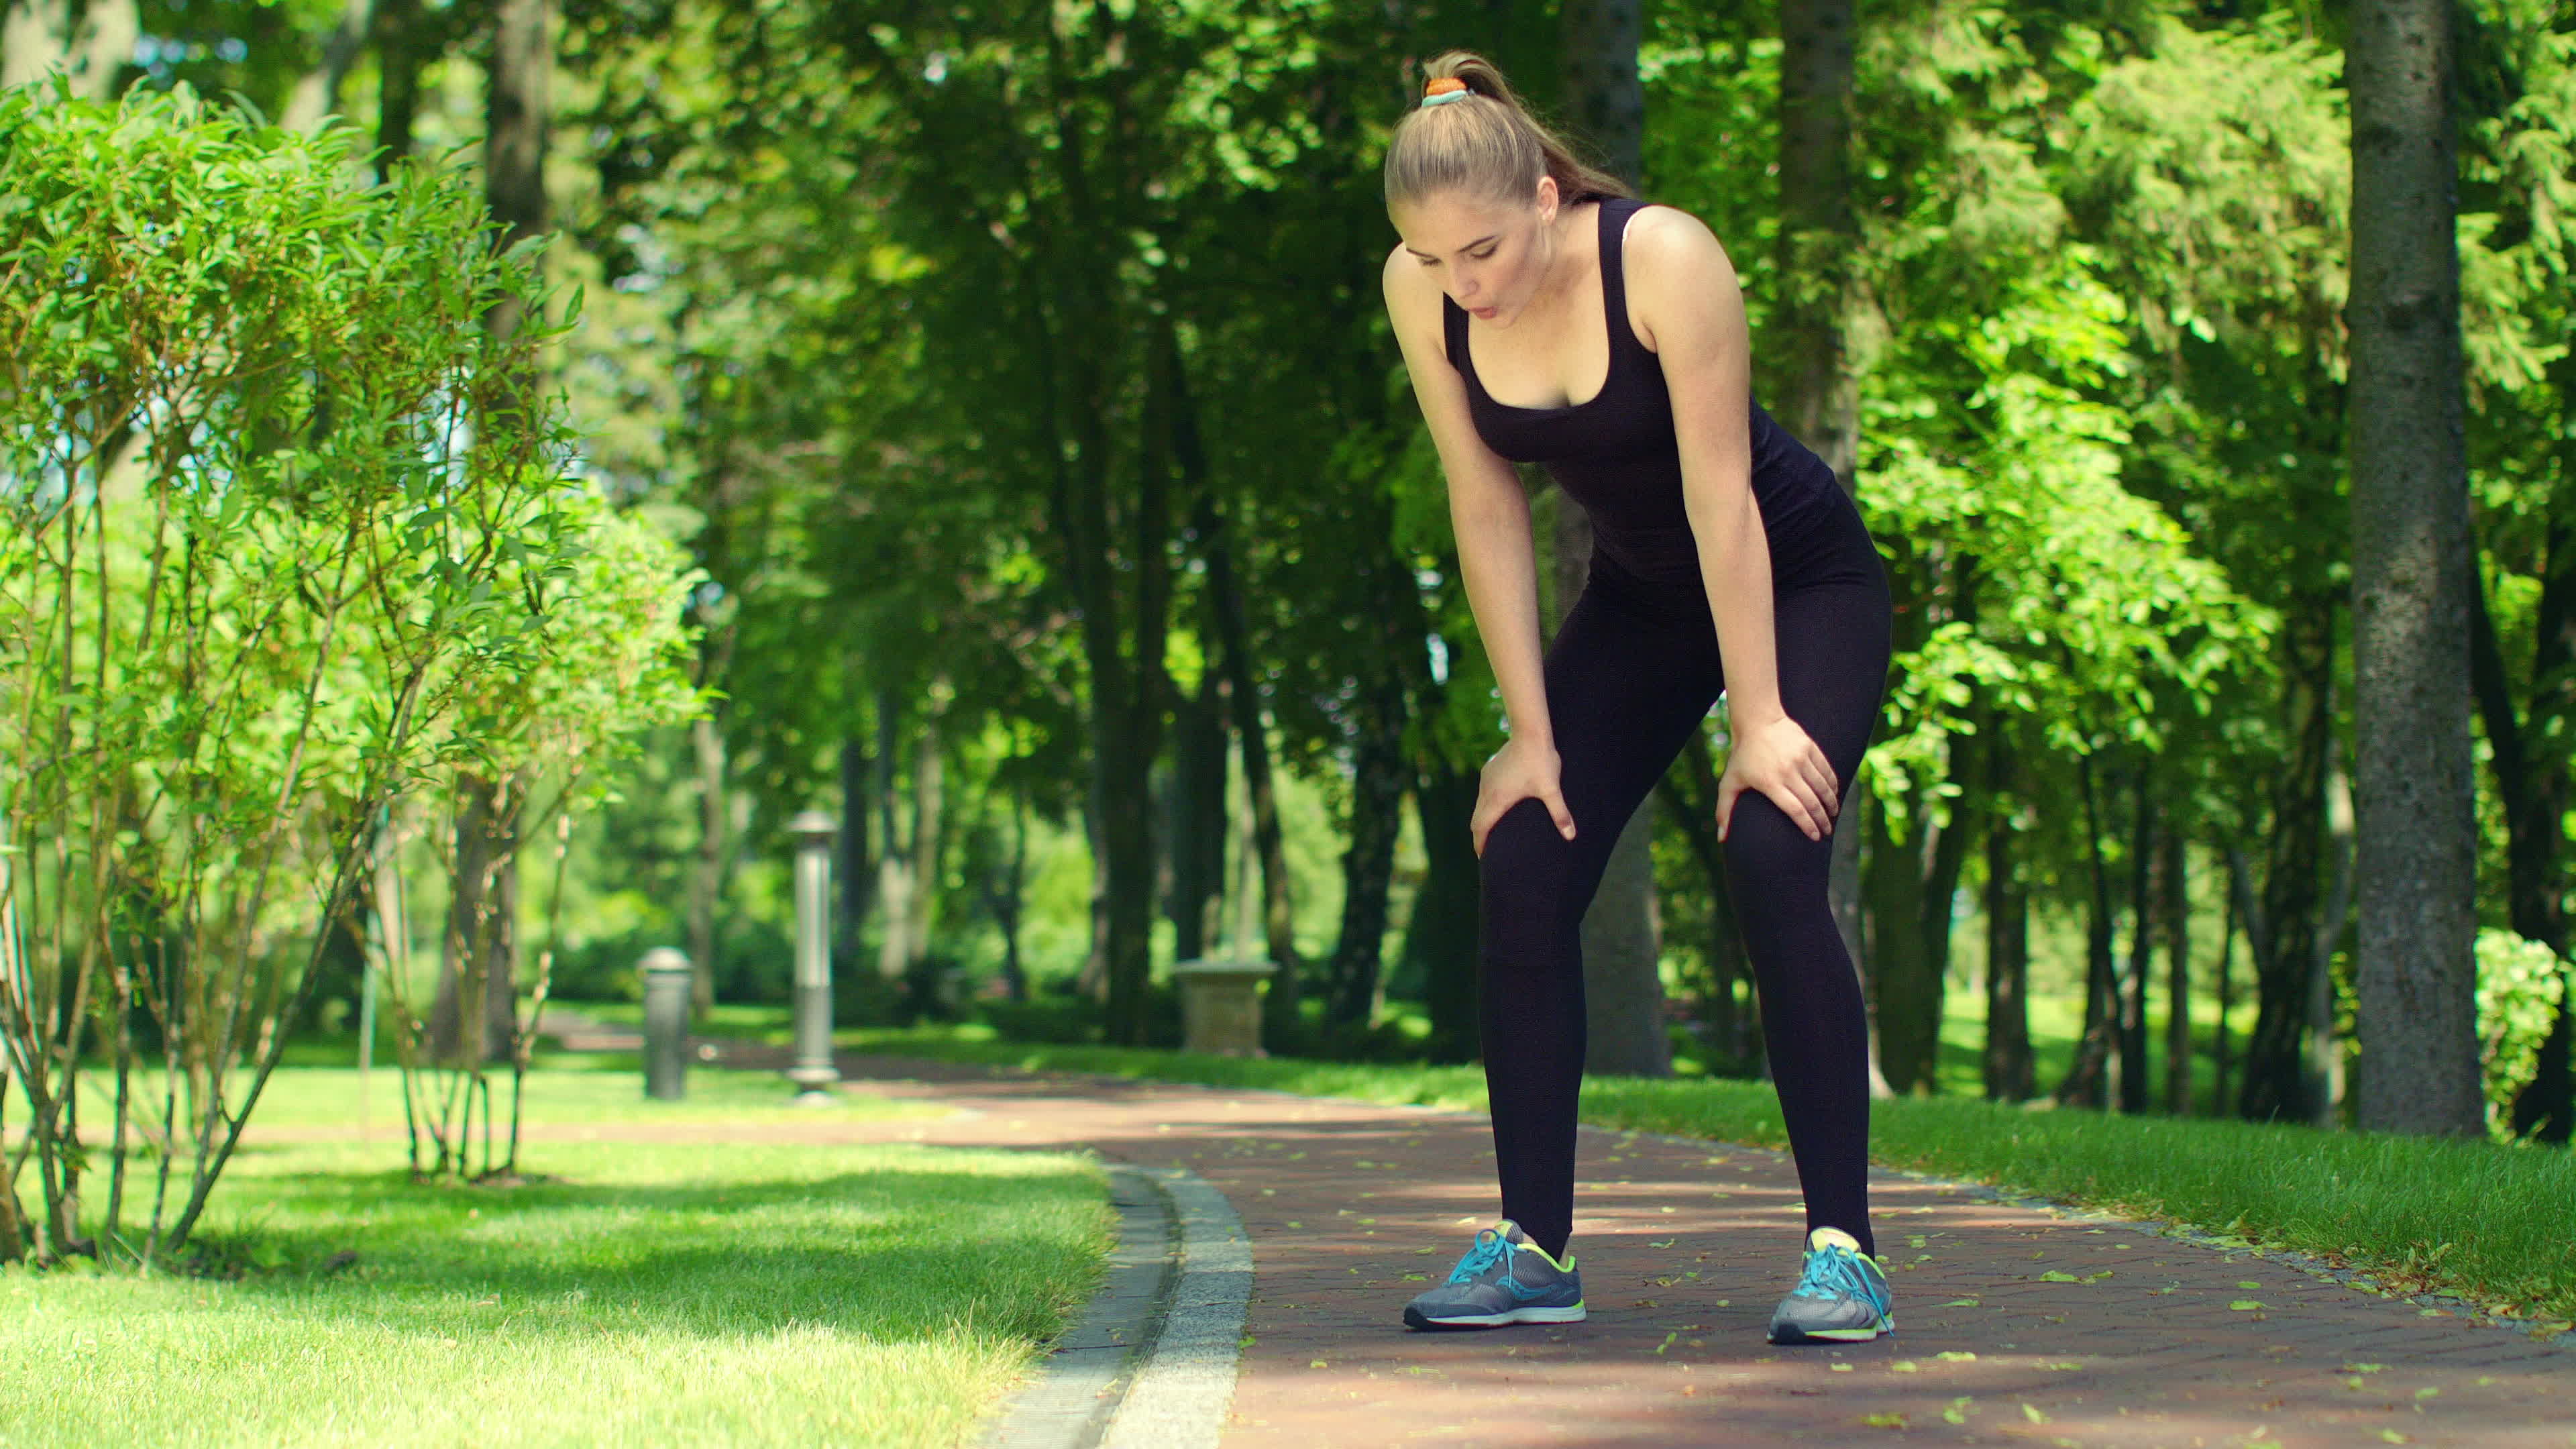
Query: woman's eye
point(1484, 256)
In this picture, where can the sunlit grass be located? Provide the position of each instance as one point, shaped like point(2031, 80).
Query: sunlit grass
point(646, 1294)
point(2497, 1224)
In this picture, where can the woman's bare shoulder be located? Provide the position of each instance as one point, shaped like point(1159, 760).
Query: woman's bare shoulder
point(1412, 295)
point(1668, 242)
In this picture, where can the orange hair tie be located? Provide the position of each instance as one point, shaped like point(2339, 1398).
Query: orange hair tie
point(1447, 88)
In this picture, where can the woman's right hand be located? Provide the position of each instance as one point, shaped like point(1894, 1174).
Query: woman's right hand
point(1519, 772)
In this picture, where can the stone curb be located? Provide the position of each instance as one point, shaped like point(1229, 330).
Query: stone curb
point(1084, 1376)
point(1151, 1364)
point(1181, 1393)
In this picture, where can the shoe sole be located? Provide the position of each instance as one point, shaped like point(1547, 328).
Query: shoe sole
point(1884, 1328)
point(1415, 1318)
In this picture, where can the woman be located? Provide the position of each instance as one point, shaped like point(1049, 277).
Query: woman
point(1548, 317)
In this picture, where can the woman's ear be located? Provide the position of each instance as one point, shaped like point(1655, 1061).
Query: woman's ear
point(1547, 197)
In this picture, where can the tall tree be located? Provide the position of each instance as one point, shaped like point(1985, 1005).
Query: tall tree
point(482, 935)
point(2417, 1003)
point(1819, 393)
point(1623, 993)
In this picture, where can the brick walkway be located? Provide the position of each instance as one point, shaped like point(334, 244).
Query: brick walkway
point(1686, 1247)
point(2017, 1326)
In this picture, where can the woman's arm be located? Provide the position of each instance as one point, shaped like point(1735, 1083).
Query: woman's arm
point(1490, 514)
point(1683, 293)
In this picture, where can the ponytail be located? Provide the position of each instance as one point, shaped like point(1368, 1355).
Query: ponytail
point(1471, 133)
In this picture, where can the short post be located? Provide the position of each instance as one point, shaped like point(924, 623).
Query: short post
point(666, 1023)
point(813, 1073)
point(1221, 1006)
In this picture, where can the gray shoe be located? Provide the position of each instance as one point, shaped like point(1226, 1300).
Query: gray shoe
point(1842, 1297)
point(1504, 1278)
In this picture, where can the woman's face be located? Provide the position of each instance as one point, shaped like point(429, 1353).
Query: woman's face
point(1488, 255)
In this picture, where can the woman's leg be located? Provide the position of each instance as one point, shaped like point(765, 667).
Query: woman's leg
point(1626, 686)
point(1833, 671)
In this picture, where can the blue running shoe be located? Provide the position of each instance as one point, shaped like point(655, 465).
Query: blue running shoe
point(1504, 1278)
point(1842, 1297)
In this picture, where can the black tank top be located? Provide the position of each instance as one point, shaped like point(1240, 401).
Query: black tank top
point(1616, 454)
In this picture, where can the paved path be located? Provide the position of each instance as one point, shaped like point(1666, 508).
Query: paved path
point(1685, 1247)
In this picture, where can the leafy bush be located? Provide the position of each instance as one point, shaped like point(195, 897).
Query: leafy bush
point(284, 521)
point(2519, 985)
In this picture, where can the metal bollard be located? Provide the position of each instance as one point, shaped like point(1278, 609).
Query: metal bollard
point(666, 1023)
point(813, 1073)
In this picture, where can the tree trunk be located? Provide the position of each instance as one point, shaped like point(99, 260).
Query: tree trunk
point(707, 867)
point(518, 113)
point(1910, 889)
point(478, 953)
point(1196, 826)
point(1604, 100)
point(2130, 1059)
point(2086, 1082)
point(2007, 1056)
point(2416, 975)
point(400, 33)
point(1689, 792)
point(2177, 912)
point(35, 38)
point(2282, 924)
point(1440, 939)
point(2222, 1047)
point(1820, 392)
point(929, 812)
point(1380, 777)
point(1279, 1018)
point(2325, 1043)
point(40, 36)
point(894, 855)
point(2534, 796)
point(1901, 994)
point(317, 92)
point(857, 893)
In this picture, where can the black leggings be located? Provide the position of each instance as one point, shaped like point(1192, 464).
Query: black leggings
point(1630, 677)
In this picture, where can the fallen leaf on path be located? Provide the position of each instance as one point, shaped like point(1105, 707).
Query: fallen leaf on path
point(2031, 1412)
point(2244, 1305)
point(1885, 1421)
point(1963, 1303)
point(2054, 1276)
point(1953, 1356)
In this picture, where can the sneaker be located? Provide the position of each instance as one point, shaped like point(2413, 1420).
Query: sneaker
point(1504, 1278)
point(1842, 1296)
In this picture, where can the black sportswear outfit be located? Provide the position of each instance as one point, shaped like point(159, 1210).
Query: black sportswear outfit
point(1630, 676)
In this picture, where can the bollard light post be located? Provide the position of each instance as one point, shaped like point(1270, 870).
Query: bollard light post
point(813, 1073)
point(666, 1023)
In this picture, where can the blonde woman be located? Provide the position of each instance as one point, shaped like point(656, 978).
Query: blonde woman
point(1547, 317)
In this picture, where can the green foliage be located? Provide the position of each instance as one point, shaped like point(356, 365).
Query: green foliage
point(285, 528)
point(2521, 985)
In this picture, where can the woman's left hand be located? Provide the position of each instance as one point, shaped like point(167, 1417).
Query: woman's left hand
point(1781, 761)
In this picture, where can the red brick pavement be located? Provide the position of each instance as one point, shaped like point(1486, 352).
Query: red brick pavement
point(1685, 1247)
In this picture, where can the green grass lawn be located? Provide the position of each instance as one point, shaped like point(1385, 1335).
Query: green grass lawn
point(648, 1294)
point(2496, 1224)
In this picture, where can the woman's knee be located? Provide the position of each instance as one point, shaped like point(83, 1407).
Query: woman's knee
point(1766, 852)
point(1526, 861)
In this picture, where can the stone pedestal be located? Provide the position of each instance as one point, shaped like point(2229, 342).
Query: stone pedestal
point(1221, 1006)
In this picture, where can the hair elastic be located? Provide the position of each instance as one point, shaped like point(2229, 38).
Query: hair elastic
point(1444, 90)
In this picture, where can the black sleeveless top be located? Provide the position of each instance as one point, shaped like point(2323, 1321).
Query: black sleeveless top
point(1616, 454)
